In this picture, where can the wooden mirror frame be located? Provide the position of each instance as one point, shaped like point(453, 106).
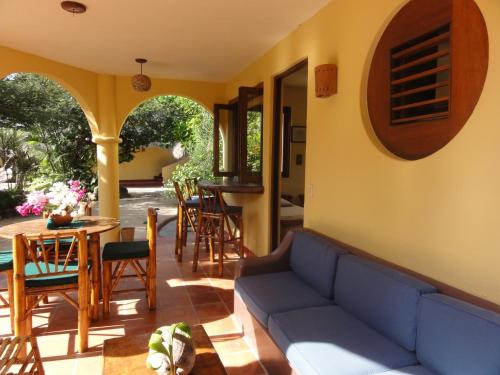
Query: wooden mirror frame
point(468, 67)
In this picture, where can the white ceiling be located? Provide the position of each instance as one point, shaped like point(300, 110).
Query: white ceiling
point(184, 39)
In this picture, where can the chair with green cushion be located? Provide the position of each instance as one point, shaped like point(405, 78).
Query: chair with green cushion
point(44, 270)
point(6, 266)
point(133, 254)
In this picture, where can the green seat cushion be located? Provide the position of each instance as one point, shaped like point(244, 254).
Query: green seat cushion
point(30, 269)
point(125, 250)
point(6, 263)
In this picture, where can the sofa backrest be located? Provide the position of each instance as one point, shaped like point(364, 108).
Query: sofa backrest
point(382, 297)
point(314, 260)
point(457, 338)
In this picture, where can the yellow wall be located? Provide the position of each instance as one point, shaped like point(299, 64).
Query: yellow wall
point(295, 98)
point(146, 164)
point(439, 216)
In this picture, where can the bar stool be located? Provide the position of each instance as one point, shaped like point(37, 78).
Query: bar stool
point(214, 218)
point(187, 215)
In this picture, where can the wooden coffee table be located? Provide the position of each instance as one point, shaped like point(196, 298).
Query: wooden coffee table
point(127, 355)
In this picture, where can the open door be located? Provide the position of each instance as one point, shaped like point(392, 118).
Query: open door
point(288, 151)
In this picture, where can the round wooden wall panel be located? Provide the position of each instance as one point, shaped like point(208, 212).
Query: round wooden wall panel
point(427, 74)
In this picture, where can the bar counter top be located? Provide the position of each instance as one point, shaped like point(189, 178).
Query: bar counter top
point(230, 186)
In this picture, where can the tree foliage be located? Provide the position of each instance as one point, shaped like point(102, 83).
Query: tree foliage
point(199, 148)
point(57, 129)
point(163, 120)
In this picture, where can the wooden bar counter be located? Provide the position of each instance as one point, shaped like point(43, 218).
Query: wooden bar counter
point(230, 186)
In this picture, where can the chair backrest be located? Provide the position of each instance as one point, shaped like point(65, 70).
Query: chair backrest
point(47, 257)
point(210, 200)
point(191, 186)
point(179, 195)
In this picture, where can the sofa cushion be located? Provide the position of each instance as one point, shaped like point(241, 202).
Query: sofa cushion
point(328, 340)
point(314, 260)
point(457, 338)
point(276, 292)
point(382, 297)
point(411, 370)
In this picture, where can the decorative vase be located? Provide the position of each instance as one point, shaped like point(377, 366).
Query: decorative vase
point(61, 220)
point(183, 354)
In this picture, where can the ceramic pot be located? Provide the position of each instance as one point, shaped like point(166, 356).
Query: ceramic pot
point(60, 220)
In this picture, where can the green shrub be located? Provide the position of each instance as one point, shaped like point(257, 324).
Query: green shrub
point(9, 199)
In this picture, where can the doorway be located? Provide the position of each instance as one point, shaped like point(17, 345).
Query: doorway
point(289, 150)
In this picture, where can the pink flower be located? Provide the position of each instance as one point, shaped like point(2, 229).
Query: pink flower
point(24, 209)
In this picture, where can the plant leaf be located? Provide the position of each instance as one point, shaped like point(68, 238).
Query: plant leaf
point(156, 344)
point(184, 328)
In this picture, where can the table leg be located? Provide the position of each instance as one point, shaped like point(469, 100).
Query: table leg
point(95, 253)
point(180, 233)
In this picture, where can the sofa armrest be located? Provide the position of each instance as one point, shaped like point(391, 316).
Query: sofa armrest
point(277, 261)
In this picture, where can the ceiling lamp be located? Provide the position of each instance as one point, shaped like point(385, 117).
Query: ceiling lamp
point(141, 82)
point(73, 7)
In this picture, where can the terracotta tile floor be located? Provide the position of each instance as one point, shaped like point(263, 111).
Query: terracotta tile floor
point(196, 298)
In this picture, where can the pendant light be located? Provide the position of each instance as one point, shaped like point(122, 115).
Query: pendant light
point(141, 82)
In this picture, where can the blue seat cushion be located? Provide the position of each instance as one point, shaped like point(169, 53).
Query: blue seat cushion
point(6, 263)
point(314, 260)
point(411, 370)
point(276, 292)
point(328, 340)
point(457, 338)
point(125, 250)
point(382, 297)
point(30, 269)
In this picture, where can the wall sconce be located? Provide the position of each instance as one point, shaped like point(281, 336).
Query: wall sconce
point(326, 80)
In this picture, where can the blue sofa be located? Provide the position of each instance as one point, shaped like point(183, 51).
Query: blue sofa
point(331, 312)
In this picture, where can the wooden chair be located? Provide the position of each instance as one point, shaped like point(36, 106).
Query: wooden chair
point(125, 254)
point(43, 270)
point(187, 215)
point(214, 217)
point(14, 351)
point(6, 267)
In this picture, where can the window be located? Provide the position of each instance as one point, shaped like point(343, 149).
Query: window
point(426, 75)
point(238, 136)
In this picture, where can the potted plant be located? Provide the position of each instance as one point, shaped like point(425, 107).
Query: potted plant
point(171, 350)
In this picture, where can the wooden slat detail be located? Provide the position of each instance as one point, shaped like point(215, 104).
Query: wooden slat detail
point(425, 44)
point(420, 89)
point(421, 117)
point(421, 60)
point(421, 104)
point(426, 73)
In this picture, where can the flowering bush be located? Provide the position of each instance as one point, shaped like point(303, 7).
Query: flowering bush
point(61, 199)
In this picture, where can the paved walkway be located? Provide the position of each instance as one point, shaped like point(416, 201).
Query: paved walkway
point(133, 211)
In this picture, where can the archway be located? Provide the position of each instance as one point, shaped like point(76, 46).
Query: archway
point(163, 134)
point(51, 125)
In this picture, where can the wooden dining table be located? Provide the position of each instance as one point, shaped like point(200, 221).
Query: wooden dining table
point(93, 225)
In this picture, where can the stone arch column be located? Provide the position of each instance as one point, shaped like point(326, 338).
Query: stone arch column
point(107, 142)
